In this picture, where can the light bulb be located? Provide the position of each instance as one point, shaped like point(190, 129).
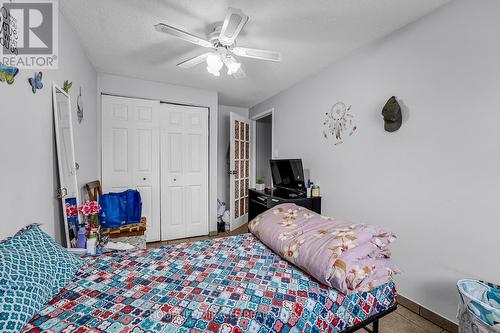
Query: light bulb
point(232, 65)
point(233, 68)
point(214, 64)
point(213, 71)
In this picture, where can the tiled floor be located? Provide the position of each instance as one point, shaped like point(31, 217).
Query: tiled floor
point(400, 321)
point(405, 321)
point(242, 230)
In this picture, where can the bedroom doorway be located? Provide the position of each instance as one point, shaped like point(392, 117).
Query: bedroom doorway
point(263, 143)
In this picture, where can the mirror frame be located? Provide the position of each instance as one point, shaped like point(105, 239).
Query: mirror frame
point(55, 90)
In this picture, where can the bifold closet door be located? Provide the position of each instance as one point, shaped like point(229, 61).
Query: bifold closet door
point(184, 171)
point(130, 153)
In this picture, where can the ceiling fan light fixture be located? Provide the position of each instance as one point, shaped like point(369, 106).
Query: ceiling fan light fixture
point(214, 64)
point(222, 45)
point(232, 65)
point(213, 71)
point(233, 68)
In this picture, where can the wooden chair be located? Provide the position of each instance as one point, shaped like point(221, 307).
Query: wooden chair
point(128, 230)
point(94, 190)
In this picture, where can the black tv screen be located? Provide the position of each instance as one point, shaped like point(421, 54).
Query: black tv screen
point(288, 174)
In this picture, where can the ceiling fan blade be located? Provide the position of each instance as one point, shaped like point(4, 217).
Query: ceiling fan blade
point(257, 54)
point(194, 61)
point(233, 23)
point(165, 28)
point(240, 74)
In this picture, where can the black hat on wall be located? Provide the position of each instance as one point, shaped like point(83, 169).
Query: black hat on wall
point(392, 115)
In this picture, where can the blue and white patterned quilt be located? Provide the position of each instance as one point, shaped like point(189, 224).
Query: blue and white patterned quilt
point(234, 284)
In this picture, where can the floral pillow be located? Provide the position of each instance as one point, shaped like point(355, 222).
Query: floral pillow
point(346, 256)
point(33, 269)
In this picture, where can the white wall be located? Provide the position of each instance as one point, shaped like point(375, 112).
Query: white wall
point(129, 87)
point(264, 147)
point(223, 146)
point(28, 167)
point(435, 182)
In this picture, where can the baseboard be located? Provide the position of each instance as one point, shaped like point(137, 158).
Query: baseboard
point(235, 226)
point(428, 314)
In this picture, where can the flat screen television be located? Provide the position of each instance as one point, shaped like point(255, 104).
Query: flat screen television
point(288, 174)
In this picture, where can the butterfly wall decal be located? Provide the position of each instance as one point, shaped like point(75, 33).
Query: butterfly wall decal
point(36, 82)
point(67, 86)
point(7, 73)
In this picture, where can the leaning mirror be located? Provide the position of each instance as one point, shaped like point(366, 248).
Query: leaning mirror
point(68, 188)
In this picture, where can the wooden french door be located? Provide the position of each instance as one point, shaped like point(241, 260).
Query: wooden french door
point(239, 172)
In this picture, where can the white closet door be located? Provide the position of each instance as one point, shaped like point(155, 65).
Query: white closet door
point(130, 153)
point(184, 171)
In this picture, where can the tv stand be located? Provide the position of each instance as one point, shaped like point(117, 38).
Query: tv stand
point(260, 201)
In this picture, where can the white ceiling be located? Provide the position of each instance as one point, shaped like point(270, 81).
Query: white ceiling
point(119, 38)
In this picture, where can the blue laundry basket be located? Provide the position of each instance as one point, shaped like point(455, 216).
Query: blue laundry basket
point(479, 307)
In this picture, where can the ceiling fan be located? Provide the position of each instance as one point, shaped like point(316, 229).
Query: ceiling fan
point(222, 42)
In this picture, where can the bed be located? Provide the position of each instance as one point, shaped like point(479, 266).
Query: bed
point(233, 284)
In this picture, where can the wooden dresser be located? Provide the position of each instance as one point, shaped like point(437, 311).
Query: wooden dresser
point(260, 201)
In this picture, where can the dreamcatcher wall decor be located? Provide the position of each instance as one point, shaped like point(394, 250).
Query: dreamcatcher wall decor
point(339, 123)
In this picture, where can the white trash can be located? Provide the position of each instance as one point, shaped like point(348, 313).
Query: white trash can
point(479, 307)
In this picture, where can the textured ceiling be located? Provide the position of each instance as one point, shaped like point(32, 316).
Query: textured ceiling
point(119, 38)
